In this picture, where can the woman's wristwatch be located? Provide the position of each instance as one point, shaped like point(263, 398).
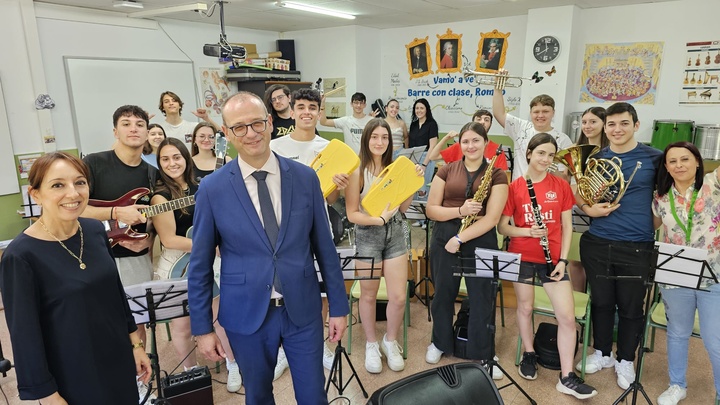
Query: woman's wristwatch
point(564, 261)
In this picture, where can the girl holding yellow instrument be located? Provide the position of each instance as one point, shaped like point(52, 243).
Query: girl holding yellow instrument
point(452, 197)
point(383, 239)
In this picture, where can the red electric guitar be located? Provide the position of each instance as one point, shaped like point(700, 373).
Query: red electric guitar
point(118, 231)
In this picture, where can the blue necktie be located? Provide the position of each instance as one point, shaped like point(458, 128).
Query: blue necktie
point(268, 214)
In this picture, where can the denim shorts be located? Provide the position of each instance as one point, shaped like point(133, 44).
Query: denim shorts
point(381, 242)
point(537, 272)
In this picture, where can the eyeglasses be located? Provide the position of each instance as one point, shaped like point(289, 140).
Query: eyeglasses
point(240, 130)
point(278, 98)
point(206, 137)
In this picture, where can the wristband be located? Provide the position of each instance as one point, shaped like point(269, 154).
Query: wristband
point(423, 165)
point(584, 204)
point(137, 345)
point(564, 261)
point(384, 222)
point(460, 212)
point(112, 210)
point(458, 239)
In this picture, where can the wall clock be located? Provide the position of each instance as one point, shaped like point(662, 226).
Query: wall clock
point(546, 49)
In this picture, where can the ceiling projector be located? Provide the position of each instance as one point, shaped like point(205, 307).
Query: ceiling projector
point(224, 50)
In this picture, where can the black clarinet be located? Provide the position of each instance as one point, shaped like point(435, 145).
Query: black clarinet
point(538, 220)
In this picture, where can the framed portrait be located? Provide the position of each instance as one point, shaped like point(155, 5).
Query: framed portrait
point(418, 57)
point(491, 51)
point(449, 52)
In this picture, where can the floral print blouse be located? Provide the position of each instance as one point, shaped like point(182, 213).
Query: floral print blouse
point(706, 220)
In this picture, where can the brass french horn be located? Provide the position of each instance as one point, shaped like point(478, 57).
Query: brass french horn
point(598, 180)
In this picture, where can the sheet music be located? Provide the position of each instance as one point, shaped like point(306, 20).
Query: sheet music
point(414, 154)
point(509, 264)
point(170, 297)
point(686, 269)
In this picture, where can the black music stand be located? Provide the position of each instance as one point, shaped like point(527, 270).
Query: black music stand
point(414, 154)
point(418, 211)
point(157, 301)
point(495, 265)
point(347, 258)
point(677, 265)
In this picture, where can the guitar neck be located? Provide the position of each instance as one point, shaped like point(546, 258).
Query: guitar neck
point(171, 205)
point(219, 162)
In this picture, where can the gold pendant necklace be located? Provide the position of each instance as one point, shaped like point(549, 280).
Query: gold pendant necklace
point(82, 243)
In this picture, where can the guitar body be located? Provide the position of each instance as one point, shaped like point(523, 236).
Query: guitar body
point(394, 185)
point(336, 158)
point(179, 268)
point(116, 230)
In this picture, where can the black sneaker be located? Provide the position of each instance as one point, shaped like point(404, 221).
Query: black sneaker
point(528, 366)
point(575, 386)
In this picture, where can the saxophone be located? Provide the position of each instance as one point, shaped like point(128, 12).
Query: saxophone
point(482, 191)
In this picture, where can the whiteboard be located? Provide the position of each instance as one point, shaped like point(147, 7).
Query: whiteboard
point(97, 87)
point(8, 172)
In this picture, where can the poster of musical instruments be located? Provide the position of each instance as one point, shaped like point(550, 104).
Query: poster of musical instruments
point(627, 72)
point(215, 89)
point(701, 65)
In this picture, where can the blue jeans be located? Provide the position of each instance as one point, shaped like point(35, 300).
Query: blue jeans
point(680, 304)
point(429, 173)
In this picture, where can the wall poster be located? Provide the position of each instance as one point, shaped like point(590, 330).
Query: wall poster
point(627, 72)
point(700, 84)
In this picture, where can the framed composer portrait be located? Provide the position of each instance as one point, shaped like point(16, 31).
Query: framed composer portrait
point(418, 57)
point(449, 52)
point(491, 51)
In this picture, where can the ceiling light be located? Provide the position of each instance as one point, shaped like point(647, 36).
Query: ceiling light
point(313, 9)
point(197, 7)
point(127, 3)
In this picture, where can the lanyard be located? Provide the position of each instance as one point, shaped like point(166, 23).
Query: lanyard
point(686, 228)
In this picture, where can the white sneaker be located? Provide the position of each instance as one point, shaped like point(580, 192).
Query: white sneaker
point(672, 395)
point(393, 353)
point(433, 354)
point(328, 357)
point(496, 373)
point(418, 224)
point(143, 392)
point(625, 373)
point(234, 379)
point(373, 362)
point(281, 364)
point(596, 362)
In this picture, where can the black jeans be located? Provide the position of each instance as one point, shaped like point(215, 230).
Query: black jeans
point(603, 260)
point(480, 292)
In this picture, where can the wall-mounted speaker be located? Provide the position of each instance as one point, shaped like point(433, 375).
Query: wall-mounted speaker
point(287, 47)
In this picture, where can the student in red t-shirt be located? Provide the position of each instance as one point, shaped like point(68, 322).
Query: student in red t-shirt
point(555, 201)
point(453, 152)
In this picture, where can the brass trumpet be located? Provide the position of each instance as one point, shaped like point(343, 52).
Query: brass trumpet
point(492, 79)
point(598, 180)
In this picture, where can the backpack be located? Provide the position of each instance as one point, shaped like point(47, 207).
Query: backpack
point(545, 344)
point(461, 331)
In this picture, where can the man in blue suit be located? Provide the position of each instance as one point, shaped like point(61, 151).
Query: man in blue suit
point(267, 216)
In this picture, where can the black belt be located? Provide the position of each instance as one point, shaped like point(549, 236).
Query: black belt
point(277, 302)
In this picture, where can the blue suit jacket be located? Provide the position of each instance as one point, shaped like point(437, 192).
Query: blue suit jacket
point(225, 217)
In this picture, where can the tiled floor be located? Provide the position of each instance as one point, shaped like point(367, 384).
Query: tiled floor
point(701, 389)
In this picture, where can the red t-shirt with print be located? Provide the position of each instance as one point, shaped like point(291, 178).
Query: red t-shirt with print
point(554, 196)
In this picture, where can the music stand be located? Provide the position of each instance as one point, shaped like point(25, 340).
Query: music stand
point(414, 154)
point(154, 301)
point(677, 265)
point(580, 220)
point(418, 211)
point(495, 265)
point(347, 258)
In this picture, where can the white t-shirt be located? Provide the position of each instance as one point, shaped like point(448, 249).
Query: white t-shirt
point(521, 131)
point(180, 131)
point(352, 129)
point(301, 151)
